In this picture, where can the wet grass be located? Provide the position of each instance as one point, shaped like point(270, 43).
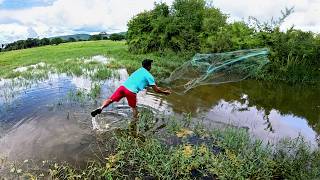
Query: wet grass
point(182, 151)
point(85, 96)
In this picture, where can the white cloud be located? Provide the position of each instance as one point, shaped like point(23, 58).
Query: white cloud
point(63, 17)
point(305, 16)
point(69, 16)
point(11, 32)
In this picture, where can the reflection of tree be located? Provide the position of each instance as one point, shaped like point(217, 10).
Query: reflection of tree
point(302, 101)
point(298, 100)
point(268, 123)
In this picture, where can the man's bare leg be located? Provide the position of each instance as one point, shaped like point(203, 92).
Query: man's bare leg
point(135, 113)
point(133, 124)
point(106, 103)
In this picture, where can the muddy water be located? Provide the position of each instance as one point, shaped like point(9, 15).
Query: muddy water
point(50, 119)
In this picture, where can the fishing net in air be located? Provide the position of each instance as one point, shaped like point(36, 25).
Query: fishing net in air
point(218, 68)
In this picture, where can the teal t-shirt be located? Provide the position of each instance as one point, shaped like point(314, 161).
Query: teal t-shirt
point(139, 80)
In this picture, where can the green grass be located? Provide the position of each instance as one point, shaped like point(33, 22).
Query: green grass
point(64, 57)
point(197, 153)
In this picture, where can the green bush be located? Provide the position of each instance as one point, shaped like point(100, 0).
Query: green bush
point(193, 26)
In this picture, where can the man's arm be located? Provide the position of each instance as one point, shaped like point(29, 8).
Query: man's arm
point(160, 90)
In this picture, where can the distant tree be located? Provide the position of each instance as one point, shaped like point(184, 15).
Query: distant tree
point(117, 37)
point(71, 39)
point(95, 37)
point(44, 41)
point(56, 41)
point(31, 42)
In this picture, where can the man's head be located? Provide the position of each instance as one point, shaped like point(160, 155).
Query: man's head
point(146, 63)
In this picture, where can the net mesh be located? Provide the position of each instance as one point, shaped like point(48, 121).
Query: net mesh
point(217, 68)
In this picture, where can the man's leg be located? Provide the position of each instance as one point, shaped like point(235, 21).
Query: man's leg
point(132, 101)
point(116, 96)
point(106, 103)
point(133, 126)
point(135, 113)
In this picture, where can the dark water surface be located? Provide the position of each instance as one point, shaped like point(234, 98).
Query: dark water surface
point(48, 120)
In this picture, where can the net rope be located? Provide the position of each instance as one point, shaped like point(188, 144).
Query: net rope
point(217, 68)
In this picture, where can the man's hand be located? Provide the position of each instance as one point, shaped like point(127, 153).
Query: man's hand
point(166, 92)
point(159, 90)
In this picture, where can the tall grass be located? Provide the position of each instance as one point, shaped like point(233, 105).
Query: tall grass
point(179, 151)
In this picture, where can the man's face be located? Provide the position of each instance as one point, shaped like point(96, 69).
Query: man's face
point(149, 68)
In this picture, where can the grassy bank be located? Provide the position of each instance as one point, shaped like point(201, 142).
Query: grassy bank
point(183, 151)
point(57, 56)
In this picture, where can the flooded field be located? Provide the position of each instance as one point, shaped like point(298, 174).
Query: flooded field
point(49, 117)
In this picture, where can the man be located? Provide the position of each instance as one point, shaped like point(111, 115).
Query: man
point(138, 81)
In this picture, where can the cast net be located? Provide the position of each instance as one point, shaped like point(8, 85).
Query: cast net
point(217, 68)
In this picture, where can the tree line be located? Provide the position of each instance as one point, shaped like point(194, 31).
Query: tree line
point(35, 42)
point(190, 26)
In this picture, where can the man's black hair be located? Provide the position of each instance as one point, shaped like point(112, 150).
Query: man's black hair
point(147, 63)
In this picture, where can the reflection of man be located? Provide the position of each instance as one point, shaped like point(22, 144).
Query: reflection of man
point(138, 81)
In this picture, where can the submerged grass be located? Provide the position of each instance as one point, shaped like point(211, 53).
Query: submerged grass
point(197, 153)
point(85, 96)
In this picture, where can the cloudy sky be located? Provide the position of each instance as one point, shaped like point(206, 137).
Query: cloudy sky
point(20, 19)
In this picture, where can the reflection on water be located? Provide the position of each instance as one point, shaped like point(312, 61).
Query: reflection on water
point(51, 119)
point(41, 121)
point(270, 111)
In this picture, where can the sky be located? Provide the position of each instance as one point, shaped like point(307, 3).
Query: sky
point(21, 19)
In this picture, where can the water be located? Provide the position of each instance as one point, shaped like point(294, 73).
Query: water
point(51, 119)
point(269, 111)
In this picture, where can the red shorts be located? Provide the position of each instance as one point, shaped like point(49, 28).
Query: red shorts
point(124, 92)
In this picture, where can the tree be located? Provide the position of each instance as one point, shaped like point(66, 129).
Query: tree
point(44, 41)
point(176, 28)
point(117, 37)
point(56, 41)
point(71, 39)
point(95, 37)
